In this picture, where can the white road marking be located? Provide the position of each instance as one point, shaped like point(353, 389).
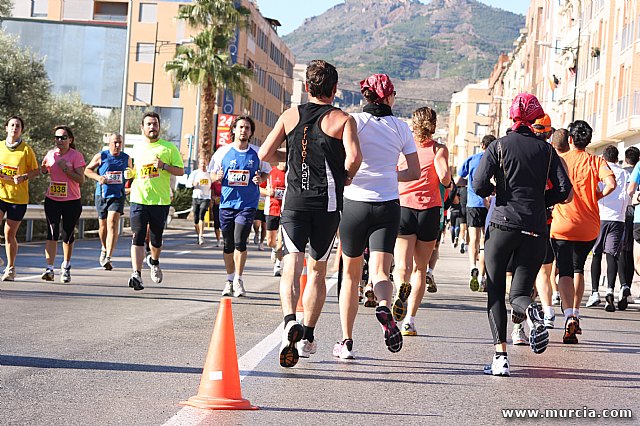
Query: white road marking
point(246, 364)
point(180, 253)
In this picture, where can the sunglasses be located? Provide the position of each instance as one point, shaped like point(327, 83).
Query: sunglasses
point(61, 137)
point(394, 93)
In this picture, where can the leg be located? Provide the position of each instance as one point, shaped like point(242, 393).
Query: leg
point(315, 292)
point(112, 222)
point(379, 269)
point(102, 233)
point(349, 294)
point(543, 284)
point(403, 256)
point(11, 243)
point(474, 245)
point(596, 270)
point(290, 282)
point(422, 254)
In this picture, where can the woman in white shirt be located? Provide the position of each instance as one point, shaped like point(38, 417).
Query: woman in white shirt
point(371, 211)
point(200, 181)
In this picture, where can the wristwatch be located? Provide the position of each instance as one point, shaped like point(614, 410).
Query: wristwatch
point(164, 166)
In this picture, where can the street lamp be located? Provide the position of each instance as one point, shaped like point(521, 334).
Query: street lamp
point(189, 138)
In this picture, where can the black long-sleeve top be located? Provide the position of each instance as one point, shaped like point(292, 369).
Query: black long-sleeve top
point(520, 163)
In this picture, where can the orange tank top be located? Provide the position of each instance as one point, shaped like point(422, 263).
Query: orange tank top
point(423, 193)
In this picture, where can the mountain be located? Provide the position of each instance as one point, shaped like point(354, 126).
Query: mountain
point(429, 50)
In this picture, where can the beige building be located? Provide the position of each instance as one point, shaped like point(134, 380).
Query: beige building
point(582, 60)
point(468, 122)
point(155, 33)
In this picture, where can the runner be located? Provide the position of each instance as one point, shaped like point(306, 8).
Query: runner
point(322, 155)
point(155, 161)
point(372, 209)
point(518, 223)
point(625, 260)
point(273, 206)
point(18, 164)
point(107, 169)
point(62, 199)
point(476, 215)
point(200, 181)
point(576, 224)
point(612, 215)
point(419, 229)
point(241, 172)
point(464, 234)
point(455, 218)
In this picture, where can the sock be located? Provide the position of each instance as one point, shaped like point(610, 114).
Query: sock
point(137, 272)
point(409, 319)
point(548, 311)
point(576, 313)
point(568, 312)
point(430, 271)
point(238, 278)
point(556, 294)
point(287, 318)
point(66, 264)
point(153, 261)
point(308, 333)
point(501, 354)
point(230, 277)
point(50, 267)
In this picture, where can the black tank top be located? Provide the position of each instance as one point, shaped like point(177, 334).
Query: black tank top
point(315, 164)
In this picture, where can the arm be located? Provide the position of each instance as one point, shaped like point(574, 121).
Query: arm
point(442, 166)
point(269, 150)
point(77, 174)
point(174, 170)
point(412, 172)
point(486, 170)
point(562, 190)
point(351, 145)
point(609, 185)
point(90, 170)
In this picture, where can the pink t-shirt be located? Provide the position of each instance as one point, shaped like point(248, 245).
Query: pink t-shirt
point(62, 187)
point(423, 193)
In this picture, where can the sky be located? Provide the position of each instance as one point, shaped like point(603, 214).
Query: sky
point(291, 13)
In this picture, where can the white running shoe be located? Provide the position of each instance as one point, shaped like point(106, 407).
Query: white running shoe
point(538, 334)
point(555, 300)
point(518, 336)
point(65, 276)
point(273, 255)
point(307, 348)
point(156, 272)
point(228, 289)
point(276, 270)
point(200, 240)
point(344, 350)
point(260, 246)
point(9, 273)
point(291, 335)
point(499, 366)
point(594, 300)
point(238, 288)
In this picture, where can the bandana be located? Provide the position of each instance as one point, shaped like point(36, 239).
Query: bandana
point(379, 83)
point(524, 110)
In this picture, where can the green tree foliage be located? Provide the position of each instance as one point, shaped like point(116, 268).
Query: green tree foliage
point(5, 8)
point(111, 123)
point(206, 61)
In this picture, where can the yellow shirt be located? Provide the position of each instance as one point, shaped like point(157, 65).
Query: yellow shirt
point(12, 163)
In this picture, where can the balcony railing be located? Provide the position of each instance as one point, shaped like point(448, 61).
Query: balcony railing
point(623, 108)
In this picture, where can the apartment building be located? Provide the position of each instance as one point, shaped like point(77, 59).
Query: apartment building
point(68, 29)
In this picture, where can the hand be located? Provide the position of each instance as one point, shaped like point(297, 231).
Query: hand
point(220, 175)
point(44, 169)
point(129, 173)
point(62, 163)
point(18, 179)
point(103, 180)
point(347, 181)
point(158, 163)
point(257, 179)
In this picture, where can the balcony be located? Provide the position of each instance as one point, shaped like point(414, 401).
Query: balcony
point(622, 112)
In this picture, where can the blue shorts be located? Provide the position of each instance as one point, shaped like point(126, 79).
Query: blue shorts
point(239, 216)
point(106, 205)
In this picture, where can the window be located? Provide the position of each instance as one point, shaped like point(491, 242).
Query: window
point(39, 8)
point(482, 110)
point(142, 92)
point(145, 53)
point(148, 13)
point(109, 11)
point(481, 130)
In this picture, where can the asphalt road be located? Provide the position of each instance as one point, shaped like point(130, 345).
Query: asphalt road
point(96, 352)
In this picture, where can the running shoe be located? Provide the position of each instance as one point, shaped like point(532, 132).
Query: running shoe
point(555, 300)
point(360, 293)
point(431, 283)
point(594, 300)
point(409, 329)
point(499, 366)
point(549, 321)
point(370, 297)
point(344, 349)
point(570, 327)
point(217, 243)
point(238, 288)
point(103, 255)
point(400, 304)
point(255, 239)
point(156, 272)
point(9, 273)
point(200, 240)
point(228, 289)
point(483, 285)
point(623, 297)
point(455, 243)
point(392, 335)
point(307, 348)
point(474, 285)
point(48, 275)
point(260, 246)
point(538, 334)
point(608, 302)
point(276, 270)
point(517, 317)
point(273, 255)
point(578, 328)
point(462, 248)
point(135, 282)
point(518, 336)
point(106, 263)
point(65, 275)
point(291, 335)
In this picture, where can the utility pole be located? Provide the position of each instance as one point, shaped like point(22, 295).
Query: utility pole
point(125, 78)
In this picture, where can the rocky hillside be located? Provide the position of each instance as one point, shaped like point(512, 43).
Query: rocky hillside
point(429, 50)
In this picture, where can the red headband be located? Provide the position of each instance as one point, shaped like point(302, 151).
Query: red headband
point(524, 110)
point(379, 83)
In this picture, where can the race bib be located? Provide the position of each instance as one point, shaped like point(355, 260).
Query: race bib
point(113, 177)
point(204, 182)
point(278, 194)
point(238, 177)
point(8, 172)
point(149, 171)
point(58, 189)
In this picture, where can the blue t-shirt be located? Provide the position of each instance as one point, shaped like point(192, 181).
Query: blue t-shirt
point(635, 177)
point(239, 167)
point(112, 167)
point(469, 169)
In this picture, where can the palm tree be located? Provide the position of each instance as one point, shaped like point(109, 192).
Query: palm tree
point(206, 62)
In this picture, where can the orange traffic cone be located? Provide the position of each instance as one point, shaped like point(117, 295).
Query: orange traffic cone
point(303, 284)
point(220, 382)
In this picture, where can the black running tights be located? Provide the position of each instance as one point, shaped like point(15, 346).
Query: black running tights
point(625, 267)
point(596, 270)
point(528, 254)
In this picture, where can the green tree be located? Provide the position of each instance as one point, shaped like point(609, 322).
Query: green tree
point(111, 123)
point(206, 61)
point(5, 8)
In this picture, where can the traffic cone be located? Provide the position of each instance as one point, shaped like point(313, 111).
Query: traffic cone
point(220, 382)
point(303, 284)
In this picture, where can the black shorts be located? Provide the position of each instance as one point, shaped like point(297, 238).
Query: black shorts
point(476, 217)
point(318, 228)
point(373, 222)
point(12, 211)
point(106, 205)
point(260, 216)
point(200, 206)
point(273, 223)
point(425, 224)
point(609, 240)
point(154, 216)
point(571, 256)
point(456, 218)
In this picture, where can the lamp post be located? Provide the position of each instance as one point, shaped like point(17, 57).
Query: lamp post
point(125, 78)
point(575, 85)
point(189, 138)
